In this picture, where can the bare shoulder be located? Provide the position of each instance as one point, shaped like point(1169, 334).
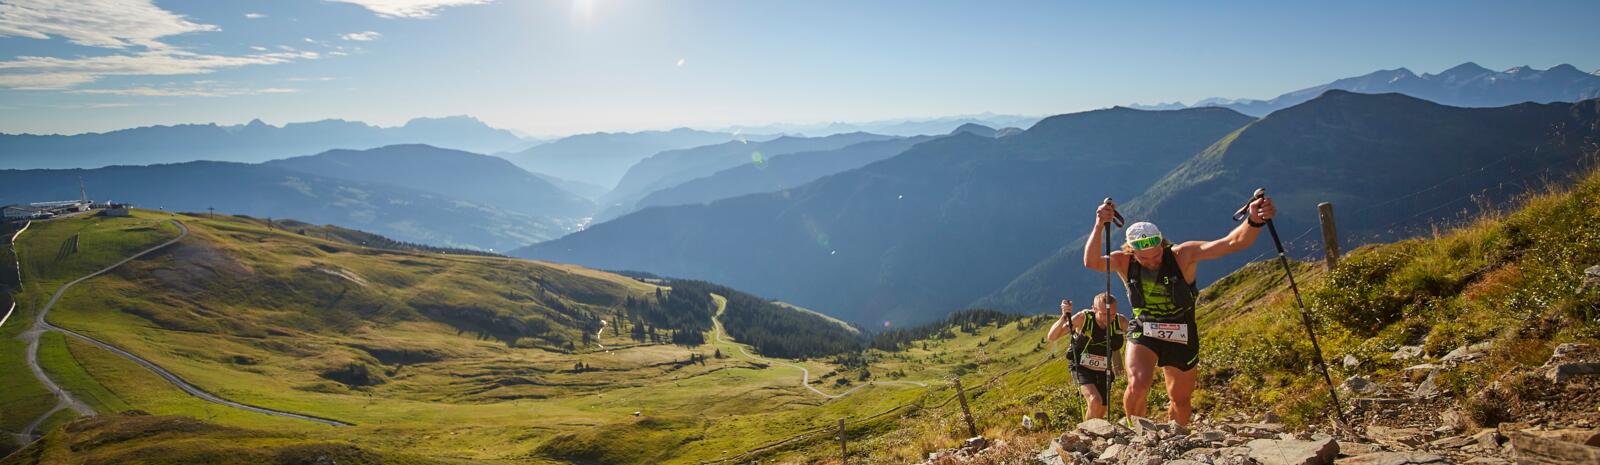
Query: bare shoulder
point(1119, 258)
point(1189, 252)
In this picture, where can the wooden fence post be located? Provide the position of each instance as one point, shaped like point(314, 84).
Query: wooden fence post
point(843, 457)
point(961, 394)
point(1330, 236)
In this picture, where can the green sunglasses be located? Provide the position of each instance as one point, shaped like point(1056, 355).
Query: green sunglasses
point(1148, 242)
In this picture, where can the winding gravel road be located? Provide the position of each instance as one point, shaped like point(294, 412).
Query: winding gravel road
point(66, 400)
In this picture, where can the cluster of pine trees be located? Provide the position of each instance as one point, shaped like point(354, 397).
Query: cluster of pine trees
point(966, 321)
point(680, 316)
point(783, 332)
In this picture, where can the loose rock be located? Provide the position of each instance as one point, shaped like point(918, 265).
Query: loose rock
point(1293, 451)
point(1394, 458)
point(1407, 353)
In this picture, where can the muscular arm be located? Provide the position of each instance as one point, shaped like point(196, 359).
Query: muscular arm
point(1192, 252)
point(1064, 325)
point(1238, 239)
point(1094, 259)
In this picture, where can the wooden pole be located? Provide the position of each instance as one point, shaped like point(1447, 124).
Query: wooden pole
point(961, 394)
point(843, 458)
point(1330, 236)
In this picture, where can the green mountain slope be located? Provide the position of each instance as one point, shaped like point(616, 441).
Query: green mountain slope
point(429, 355)
point(1393, 166)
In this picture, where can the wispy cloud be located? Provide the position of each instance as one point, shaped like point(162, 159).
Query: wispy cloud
point(133, 28)
point(254, 15)
point(41, 73)
point(199, 89)
point(96, 23)
point(416, 9)
point(362, 36)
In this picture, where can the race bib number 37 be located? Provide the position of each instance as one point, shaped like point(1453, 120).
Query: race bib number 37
point(1170, 332)
point(1094, 362)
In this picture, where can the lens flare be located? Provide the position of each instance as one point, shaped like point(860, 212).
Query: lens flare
point(758, 159)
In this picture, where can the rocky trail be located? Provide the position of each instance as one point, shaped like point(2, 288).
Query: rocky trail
point(1546, 415)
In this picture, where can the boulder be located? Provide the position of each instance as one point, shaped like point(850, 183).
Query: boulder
point(1571, 359)
point(1395, 436)
point(1351, 362)
point(1573, 435)
point(1488, 438)
point(1468, 353)
point(1452, 442)
point(1358, 448)
point(1591, 280)
point(1529, 448)
point(1293, 451)
point(1451, 421)
point(1417, 373)
point(1114, 453)
point(1050, 456)
point(1101, 428)
point(1394, 458)
point(1142, 424)
point(1407, 353)
point(1428, 388)
point(1362, 386)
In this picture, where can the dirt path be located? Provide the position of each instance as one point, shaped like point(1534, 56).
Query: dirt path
point(66, 400)
point(805, 374)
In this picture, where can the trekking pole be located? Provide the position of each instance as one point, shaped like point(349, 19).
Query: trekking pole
point(1305, 316)
point(1072, 342)
point(1111, 367)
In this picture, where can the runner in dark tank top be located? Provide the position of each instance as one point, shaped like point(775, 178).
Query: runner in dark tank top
point(1160, 278)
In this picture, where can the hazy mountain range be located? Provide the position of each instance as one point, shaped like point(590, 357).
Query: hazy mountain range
point(892, 127)
point(247, 143)
point(1465, 85)
point(914, 236)
point(411, 193)
point(480, 179)
point(794, 169)
point(778, 173)
point(601, 158)
point(674, 167)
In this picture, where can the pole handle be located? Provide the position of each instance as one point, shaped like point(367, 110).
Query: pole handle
point(1116, 216)
point(1244, 211)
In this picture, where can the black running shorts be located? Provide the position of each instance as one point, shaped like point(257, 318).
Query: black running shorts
point(1171, 354)
point(1083, 376)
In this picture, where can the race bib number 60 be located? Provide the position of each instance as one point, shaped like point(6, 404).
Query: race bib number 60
point(1094, 362)
point(1170, 332)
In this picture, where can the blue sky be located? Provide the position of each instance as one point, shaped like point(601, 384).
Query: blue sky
point(561, 67)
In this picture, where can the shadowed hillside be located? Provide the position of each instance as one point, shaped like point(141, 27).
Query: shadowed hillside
point(916, 235)
point(1392, 165)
